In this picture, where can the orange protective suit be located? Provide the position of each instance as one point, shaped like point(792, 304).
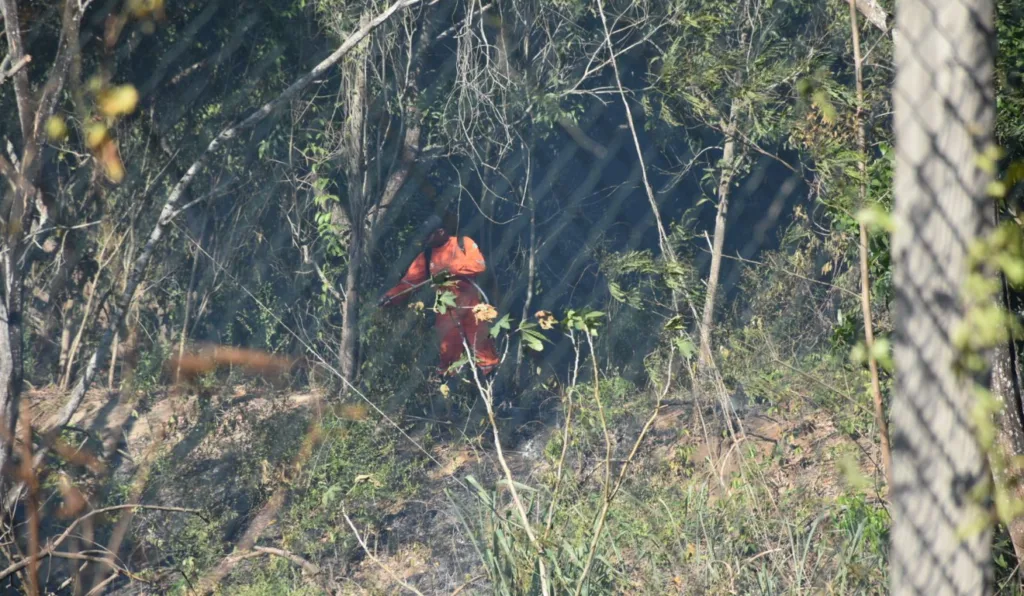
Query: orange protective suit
point(461, 264)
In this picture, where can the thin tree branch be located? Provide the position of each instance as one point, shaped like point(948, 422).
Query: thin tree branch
point(13, 70)
point(52, 546)
point(377, 561)
point(865, 280)
point(487, 397)
point(877, 16)
point(176, 194)
point(22, 91)
point(277, 552)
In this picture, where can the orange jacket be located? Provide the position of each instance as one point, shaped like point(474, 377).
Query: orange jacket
point(467, 261)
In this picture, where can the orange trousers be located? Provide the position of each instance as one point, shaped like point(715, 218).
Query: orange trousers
point(460, 323)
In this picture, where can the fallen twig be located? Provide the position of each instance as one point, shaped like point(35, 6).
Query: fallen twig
point(306, 566)
point(377, 561)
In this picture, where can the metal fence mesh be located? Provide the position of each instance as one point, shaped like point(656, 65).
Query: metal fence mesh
point(255, 254)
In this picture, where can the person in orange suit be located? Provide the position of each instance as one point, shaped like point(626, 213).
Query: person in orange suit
point(458, 259)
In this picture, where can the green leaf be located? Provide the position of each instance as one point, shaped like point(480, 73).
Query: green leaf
point(330, 495)
point(445, 300)
point(686, 347)
point(874, 217)
point(616, 292)
point(881, 350)
point(533, 340)
point(676, 323)
point(499, 325)
point(518, 485)
point(463, 360)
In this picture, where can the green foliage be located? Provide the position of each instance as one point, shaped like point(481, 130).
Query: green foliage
point(584, 320)
point(443, 301)
point(275, 578)
point(531, 338)
point(359, 467)
point(1009, 90)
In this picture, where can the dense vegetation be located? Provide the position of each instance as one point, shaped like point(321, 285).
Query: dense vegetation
point(672, 197)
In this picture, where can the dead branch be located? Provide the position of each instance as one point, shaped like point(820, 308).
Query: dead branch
point(377, 561)
point(877, 16)
point(306, 566)
point(51, 548)
point(610, 491)
point(22, 91)
point(13, 70)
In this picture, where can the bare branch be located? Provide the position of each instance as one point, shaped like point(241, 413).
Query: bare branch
point(666, 247)
point(176, 194)
point(51, 548)
point(377, 561)
point(66, 50)
point(582, 138)
point(13, 70)
point(22, 92)
point(877, 16)
point(277, 552)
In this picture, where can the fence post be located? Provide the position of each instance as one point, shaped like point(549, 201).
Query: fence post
point(944, 103)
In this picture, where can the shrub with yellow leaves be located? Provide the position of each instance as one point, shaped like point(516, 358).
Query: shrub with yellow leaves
point(56, 129)
point(143, 9)
point(96, 133)
point(485, 312)
point(118, 101)
point(546, 320)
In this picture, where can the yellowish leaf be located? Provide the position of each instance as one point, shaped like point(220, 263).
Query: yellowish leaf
point(484, 312)
point(546, 320)
point(366, 478)
point(56, 129)
point(95, 135)
point(118, 101)
point(996, 189)
point(144, 8)
point(94, 84)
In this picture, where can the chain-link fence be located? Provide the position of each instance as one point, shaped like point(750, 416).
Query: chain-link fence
point(670, 221)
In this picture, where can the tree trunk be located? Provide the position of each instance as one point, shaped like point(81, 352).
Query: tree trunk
point(944, 111)
point(11, 361)
point(1009, 436)
point(724, 188)
point(65, 337)
point(347, 356)
point(354, 144)
point(188, 298)
point(365, 216)
point(113, 360)
point(531, 276)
